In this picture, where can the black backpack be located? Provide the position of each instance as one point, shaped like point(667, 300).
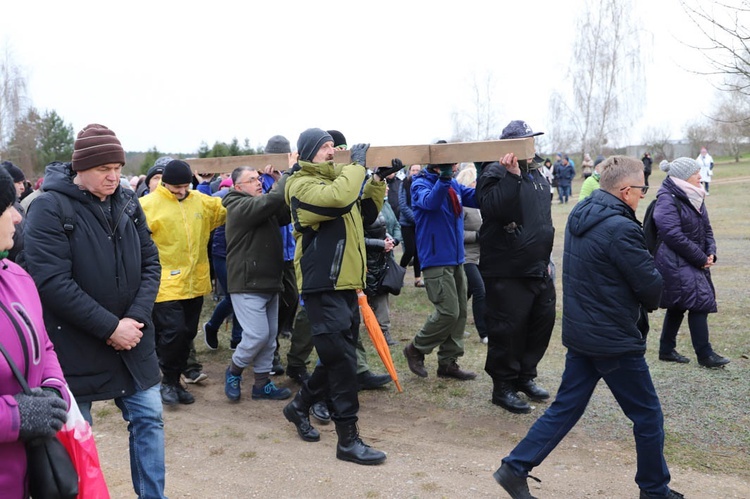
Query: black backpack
point(649, 226)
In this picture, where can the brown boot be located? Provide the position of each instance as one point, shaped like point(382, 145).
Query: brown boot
point(452, 370)
point(415, 359)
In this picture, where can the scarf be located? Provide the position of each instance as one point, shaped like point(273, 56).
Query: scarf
point(696, 195)
point(455, 203)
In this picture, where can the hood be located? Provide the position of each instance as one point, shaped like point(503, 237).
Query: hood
point(59, 177)
point(596, 208)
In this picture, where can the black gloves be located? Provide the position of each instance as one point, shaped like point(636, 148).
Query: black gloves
point(42, 414)
point(358, 153)
point(292, 170)
point(446, 171)
point(384, 171)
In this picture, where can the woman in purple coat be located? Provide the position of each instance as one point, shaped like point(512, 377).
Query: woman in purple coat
point(684, 256)
point(22, 334)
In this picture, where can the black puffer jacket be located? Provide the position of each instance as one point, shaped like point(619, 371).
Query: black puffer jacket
point(609, 279)
point(517, 233)
point(88, 279)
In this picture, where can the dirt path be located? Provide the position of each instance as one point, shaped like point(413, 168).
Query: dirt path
point(216, 449)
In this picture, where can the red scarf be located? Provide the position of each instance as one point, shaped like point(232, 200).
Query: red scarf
point(455, 203)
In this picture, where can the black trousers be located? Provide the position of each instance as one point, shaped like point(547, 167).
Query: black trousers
point(520, 315)
point(176, 324)
point(334, 321)
point(288, 301)
point(410, 249)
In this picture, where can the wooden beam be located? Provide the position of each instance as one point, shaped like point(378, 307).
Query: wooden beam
point(491, 150)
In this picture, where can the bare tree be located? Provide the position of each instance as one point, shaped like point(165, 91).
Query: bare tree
point(700, 133)
point(656, 139)
point(606, 75)
point(480, 122)
point(12, 98)
point(732, 118)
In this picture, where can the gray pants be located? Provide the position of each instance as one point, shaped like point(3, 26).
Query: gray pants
point(258, 314)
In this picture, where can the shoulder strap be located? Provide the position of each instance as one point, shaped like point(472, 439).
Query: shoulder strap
point(16, 372)
point(68, 213)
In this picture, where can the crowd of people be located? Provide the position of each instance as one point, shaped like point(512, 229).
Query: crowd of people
point(121, 267)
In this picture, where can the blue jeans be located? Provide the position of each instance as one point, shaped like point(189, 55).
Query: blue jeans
point(142, 411)
point(563, 192)
point(224, 307)
point(629, 380)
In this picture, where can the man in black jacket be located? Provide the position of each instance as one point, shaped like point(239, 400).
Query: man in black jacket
point(609, 283)
point(515, 242)
point(89, 250)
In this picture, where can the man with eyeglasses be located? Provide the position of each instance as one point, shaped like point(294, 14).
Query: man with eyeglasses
point(610, 282)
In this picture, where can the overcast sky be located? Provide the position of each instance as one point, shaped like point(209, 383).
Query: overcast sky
point(175, 74)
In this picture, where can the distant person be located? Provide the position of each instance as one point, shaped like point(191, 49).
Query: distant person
point(587, 166)
point(564, 174)
point(153, 176)
point(647, 165)
point(548, 171)
point(406, 219)
point(19, 182)
point(604, 327)
point(590, 184)
point(706, 163)
point(685, 257)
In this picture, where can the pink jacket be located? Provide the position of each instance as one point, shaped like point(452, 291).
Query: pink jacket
point(19, 297)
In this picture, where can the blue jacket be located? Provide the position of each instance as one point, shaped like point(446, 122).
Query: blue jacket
point(609, 279)
point(565, 174)
point(219, 238)
point(287, 231)
point(405, 213)
point(439, 231)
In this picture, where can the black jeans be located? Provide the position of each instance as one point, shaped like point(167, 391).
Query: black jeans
point(520, 315)
point(176, 324)
point(410, 249)
point(477, 295)
point(334, 321)
point(698, 325)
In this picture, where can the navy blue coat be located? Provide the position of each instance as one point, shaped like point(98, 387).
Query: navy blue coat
point(609, 279)
point(687, 241)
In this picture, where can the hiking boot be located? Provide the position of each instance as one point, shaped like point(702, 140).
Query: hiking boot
point(169, 395)
point(297, 413)
point(298, 375)
point(233, 344)
point(672, 494)
point(210, 336)
point(351, 448)
point(194, 376)
point(415, 359)
point(184, 396)
point(232, 385)
point(713, 360)
point(389, 339)
point(369, 381)
point(452, 370)
point(319, 411)
point(673, 356)
point(531, 390)
point(271, 392)
point(504, 396)
point(513, 484)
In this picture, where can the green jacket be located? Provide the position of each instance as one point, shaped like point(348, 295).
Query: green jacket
point(255, 253)
point(328, 202)
point(589, 185)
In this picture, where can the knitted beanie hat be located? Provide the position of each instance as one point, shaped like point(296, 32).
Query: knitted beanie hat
point(278, 144)
point(7, 190)
point(310, 141)
point(96, 145)
point(158, 168)
point(177, 172)
point(682, 168)
point(15, 172)
point(338, 138)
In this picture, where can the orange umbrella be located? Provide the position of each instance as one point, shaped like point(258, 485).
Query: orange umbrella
point(377, 337)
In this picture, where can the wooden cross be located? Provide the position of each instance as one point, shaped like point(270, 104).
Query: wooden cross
point(435, 154)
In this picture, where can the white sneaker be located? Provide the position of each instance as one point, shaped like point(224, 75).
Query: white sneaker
point(485, 340)
point(194, 377)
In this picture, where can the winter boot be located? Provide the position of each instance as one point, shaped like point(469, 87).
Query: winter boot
point(352, 448)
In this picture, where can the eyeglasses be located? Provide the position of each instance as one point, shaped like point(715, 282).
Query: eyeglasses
point(643, 188)
point(254, 179)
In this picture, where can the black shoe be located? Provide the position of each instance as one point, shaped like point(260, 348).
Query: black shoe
point(369, 381)
point(233, 344)
point(389, 339)
point(277, 369)
point(351, 448)
point(531, 390)
point(319, 411)
point(513, 484)
point(415, 359)
point(298, 415)
point(713, 360)
point(452, 370)
point(169, 395)
point(673, 356)
point(184, 396)
point(285, 333)
point(299, 376)
point(210, 336)
point(672, 494)
point(504, 396)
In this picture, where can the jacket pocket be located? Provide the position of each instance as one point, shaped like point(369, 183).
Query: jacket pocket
point(338, 257)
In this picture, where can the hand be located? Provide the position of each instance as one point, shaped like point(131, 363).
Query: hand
point(389, 244)
point(42, 414)
point(385, 171)
point(359, 153)
point(510, 162)
point(293, 157)
point(446, 171)
point(127, 335)
point(709, 261)
point(269, 170)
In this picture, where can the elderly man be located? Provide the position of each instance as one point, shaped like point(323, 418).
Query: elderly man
point(255, 266)
point(90, 253)
point(181, 222)
point(515, 242)
point(609, 283)
point(327, 201)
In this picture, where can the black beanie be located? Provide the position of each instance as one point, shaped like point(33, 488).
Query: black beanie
point(7, 190)
point(278, 144)
point(15, 172)
point(177, 172)
point(338, 138)
point(310, 141)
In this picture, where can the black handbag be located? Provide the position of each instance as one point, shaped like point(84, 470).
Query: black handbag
point(50, 470)
point(392, 279)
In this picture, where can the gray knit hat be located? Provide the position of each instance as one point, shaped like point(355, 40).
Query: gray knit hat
point(278, 144)
point(310, 141)
point(682, 168)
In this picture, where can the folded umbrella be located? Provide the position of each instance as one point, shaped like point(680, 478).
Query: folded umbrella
point(377, 337)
